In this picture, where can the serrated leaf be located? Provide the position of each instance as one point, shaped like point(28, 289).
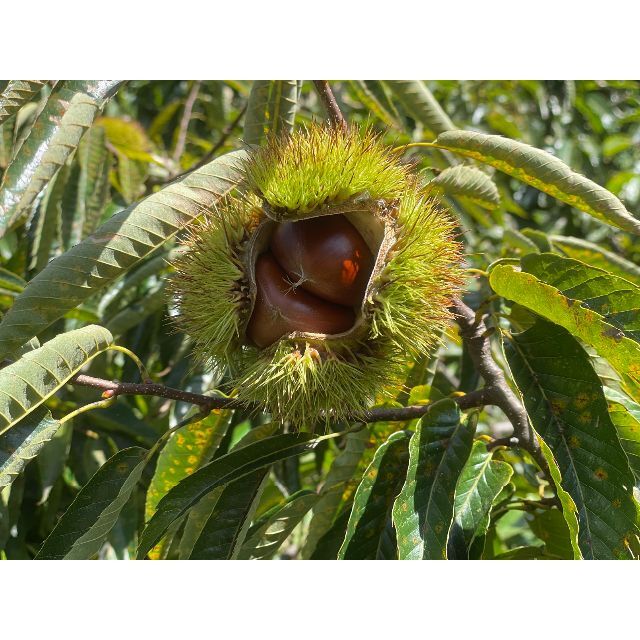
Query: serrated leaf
point(271, 109)
point(625, 415)
point(186, 451)
point(340, 473)
point(565, 402)
point(480, 482)
point(16, 94)
point(423, 512)
point(232, 466)
point(264, 541)
point(374, 499)
point(54, 136)
point(542, 171)
point(420, 104)
point(468, 182)
point(599, 308)
point(596, 256)
point(133, 315)
point(119, 244)
point(24, 442)
point(53, 459)
point(225, 530)
point(85, 525)
point(27, 383)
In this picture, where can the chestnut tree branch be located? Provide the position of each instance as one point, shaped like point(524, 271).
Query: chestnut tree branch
point(330, 104)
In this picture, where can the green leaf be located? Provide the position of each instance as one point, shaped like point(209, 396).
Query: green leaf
point(264, 541)
point(568, 506)
point(480, 482)
point(596, 256)
point(565, 402)
point(232, 466)
point(93, 185)
point(551, 527)
point(24, 442)
point(199, 515)
point(27, 383)
point(597, 307)
point(420, 104)
point(339, 475)
point(54, 136)
point(11, 282)
point(84, 526)
point(16, 94)
point(470, 183)
point(186, 451)
point(423, 512)
point(53, 458)
point(225, 530)
point(370, 101)
point(271, 109)
point(625, 415)
point(133, 315)
point(542, 171)
point(118, 245)
point(374, 498)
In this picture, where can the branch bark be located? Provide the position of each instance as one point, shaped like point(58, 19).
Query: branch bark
point(330, 104)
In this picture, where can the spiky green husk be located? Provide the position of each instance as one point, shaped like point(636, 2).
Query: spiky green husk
point(321, 165)
point(210, 285)
point(300, 380)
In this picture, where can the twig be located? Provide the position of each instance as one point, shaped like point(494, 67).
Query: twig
point(497, 392)
point(184, 122)
point(113, 389)
point(210, 155)
point(330, 104)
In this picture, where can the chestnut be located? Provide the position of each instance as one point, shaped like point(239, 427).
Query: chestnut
point(326, 256)
point(280, 308)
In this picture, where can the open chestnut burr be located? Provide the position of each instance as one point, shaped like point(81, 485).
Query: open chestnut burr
point(311, 279)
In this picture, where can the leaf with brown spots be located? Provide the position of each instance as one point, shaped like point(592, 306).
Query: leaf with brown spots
point(549, 364)
point(423, 512)
point(601, 309)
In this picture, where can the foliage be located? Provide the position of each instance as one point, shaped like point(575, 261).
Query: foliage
point(99, 180)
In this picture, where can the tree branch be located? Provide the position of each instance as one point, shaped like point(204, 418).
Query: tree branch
point(475, 334)
point(330, 104)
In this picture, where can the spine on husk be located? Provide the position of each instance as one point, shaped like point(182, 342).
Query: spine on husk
point(254, 290)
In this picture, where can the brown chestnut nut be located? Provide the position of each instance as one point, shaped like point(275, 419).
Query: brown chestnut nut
point(326, 256)
point(281, 309)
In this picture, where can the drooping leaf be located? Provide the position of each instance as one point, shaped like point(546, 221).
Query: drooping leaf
point(200, 514)
point(565, 402)
point(551, 527)
point(53, 459)
point(371, 102)
point(271, 109)
point(374, 498)
point(470, 183)
point(567, 505)
point(232, 466)
point(596, 256)
point(423, 512)
point(420, 104)
point(24, 442)
point(264, 541)
point(119, 244)
point(542, 171)
point(225, 530)
point(133, 315)
point(54, 136)
point(17, 93)
point(340, 473)
point(187, 450)
point(27, 383)
point(85, 525)
point(480, 482)
point(598, 308)
point(625, 415)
